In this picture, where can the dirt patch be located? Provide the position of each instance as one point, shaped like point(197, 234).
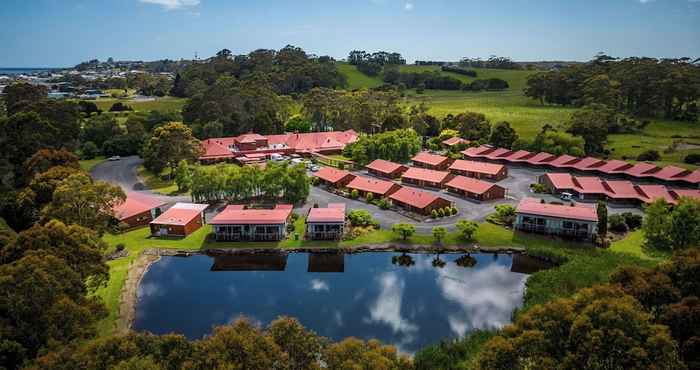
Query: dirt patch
point(129, 297)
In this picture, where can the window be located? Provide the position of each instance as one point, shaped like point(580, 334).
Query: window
point(568, 225)
point(541, 221)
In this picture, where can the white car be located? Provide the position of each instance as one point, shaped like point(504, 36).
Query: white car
point(315, 168)
point(566, 196)
point(114, 158)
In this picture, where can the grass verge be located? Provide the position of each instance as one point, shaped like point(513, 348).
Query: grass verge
point(88, 164)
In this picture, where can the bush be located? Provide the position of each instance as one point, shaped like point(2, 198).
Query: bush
point(294, 217)
point(693, 158)
point(454, 210)
point(632, 220)
point(120, 107)
point(434, 213)
point(617, 223)
point(539, 188)
point(383, 203)
point(89, 150)
point(505, 215)
point(120, 247)
point(369, 197)
point(315, 181)
point(361, 217)
point(467, 229)
point(354, 194)
point(649, 155)
point(441, 212)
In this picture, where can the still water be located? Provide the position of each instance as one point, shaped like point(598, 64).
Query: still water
point(405, 300)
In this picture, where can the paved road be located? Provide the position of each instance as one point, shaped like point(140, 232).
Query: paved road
point(123, 173)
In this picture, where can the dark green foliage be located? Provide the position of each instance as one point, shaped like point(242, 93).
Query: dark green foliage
point(397, 146)
point(89, 150)
point(487, 84)
point(502, 135)
point(617, 223)
point(649, 155)
point(452, 355)
point(120, 107)
point(20, 94)
point(360, 217)
point(470, 125)
point(692, 158)
point(602, 209)
point(458, 70)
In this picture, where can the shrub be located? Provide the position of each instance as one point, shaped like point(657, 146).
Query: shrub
point(120, 247)
point(649, 155)
point(539, 188)
point(383, 203)
point(505, 215)
point(315, 181)
point(404, 230)
point(617, 223)
point(441, 212)
point(692, 158)
point(295, 216)
point(632, 220)
point(120, 107)
point(467, 229)
point(361, 217)
point(369, 197)
point(454, 210)
point(354, 194)
point(89, 150)
point(434, 214)
point(439, 233)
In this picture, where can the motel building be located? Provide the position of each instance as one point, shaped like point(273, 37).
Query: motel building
point(326, 223)
point(576, 220)
point(180, 220)
point(238, 223)
point(138, 209)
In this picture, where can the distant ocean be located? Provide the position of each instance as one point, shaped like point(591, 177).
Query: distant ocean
point(18, 71)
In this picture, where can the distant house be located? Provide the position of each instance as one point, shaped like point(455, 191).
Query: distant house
point(181, 220)
point(378, 188)
point(431, 161)
point(479, 170)
point(237, 223)
point(326, 223)
point(138, 209)
point(425, 177)
point(418, 201)
point(382, 168)
point(576, 220)
point(475, 189)
point(334, 177)
point(454, 141)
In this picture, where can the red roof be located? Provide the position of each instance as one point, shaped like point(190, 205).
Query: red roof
point(478, 167)
point(588, 163)
point(383, 166)
point(693, 177)
point(135, 204)
point(563, 161)
point(620, 189)
point(499, 153)
point(429, 159)
point(478, 151)
point(590, 185)
point(250, 138)
point(641, 168)
point(423, 174)
point(540, 158)
point(470, 184)
point(217, 148)
point(180, 214)
point(519, 156)
point(561, 181)
point(371, 185)
point(331, 175)
point(669, 173)
point(690, 193)
point(234, 215)
point(654, 192)
point(455, 141)
point(614, 166)
point(414, 197)
point(334, 213)
point(577, 211)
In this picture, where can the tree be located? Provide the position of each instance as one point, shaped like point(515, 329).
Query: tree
point(302, 345)
point(502, 135)
point(684, 230)
point(602, 210)
point(44, 159)
point(169, 145)
point(99, 129)
point(360, 217)
point(43, 185)
point(19, 94)
point(471, 125)
point(598, 327)
point(404, 230)
point(591, 124)
point(439, 233)
point(353, 353)
point(183, 176)
point(398, 146)
point(20, 136)
point(297, 124)
point(467, 229)
point(80, 200)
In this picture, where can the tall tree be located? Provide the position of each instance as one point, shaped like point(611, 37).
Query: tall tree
point(19, 94)
point(169, 145)
point(502, 135)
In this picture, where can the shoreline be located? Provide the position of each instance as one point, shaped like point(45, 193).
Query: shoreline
point(126, 311)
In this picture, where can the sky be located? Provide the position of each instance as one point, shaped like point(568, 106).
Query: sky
point(61, 33)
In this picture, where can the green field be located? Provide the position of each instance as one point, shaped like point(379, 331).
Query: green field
point(88, 164)
point(164, 104)
point(527, 116)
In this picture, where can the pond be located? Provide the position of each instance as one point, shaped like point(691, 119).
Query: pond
point(408, 300)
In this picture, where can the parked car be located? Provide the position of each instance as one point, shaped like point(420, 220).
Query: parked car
point(114, 158)
point(566, 196)
point(314, 168)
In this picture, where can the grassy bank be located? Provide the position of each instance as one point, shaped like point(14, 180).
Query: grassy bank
point(158, 183)
point(88, 164)
point(164, 104)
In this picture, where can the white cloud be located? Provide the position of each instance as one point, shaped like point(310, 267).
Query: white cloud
point(408, 7)
point(172, 4)
point(645, 1)
point(319, 285)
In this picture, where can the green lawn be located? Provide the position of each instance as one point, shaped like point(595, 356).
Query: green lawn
point(88, 164)
point(158, 183)
point(164, 104)
point(357, 79)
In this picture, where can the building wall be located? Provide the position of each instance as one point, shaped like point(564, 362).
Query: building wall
point(553, 225)
point(438, 203)
point(502, 174)
point(141, 219)
point(280, 232)
point(440, 167)
point(325, 230)
point(422, 183)
point(391, 175)
point(496, 192)
point(180, 230)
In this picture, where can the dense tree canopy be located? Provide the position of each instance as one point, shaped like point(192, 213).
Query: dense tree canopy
point(169, 145)
point(397, 146)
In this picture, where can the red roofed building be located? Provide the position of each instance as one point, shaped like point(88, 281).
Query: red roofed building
point(453, 141)
point(382, 168)
point(668, 173)
point(180, 220)
point(334, 177)
point(425, 177)
point(326, 223)
point(431, 161)
point(475, 189)
point(519, 156)
point(575, 220)
point(498, 154)
point(692, 178)
point(588, 164)
point(613, 166)
point(563, 161)
point(651, 193)
point(138, 209)
point(418, 201)
point(477, 152)
point(640, 169)
point(541, 158)
point(378, 188)
point(237, 223)
point(479, 170)
point(228, 148)
point(559, 182)
point(690, 193)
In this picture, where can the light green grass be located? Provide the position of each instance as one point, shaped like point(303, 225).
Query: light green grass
point(357, 79)
point(88, 164)
point(164, 104)
point(633, 244)
point(158, 183)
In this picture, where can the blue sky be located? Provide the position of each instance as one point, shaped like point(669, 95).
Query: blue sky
point(36, 33)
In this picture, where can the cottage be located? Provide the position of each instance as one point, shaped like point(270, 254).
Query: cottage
point(454, 142)
point(425, 177)
point(138, 209)
point(334, 177)
point(575, 220)
point(418, 201)
point(382, 168)
point(326, 223)
point(378, 188)
point(237, 223)
point(479, 170)
point(180, 220)
point(431, 161)
point(475, 189)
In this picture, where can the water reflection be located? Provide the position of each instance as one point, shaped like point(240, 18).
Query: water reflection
point(408, 300)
